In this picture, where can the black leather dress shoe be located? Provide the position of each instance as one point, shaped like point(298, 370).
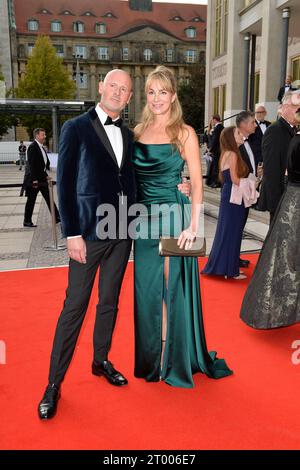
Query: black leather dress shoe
point(48, 405)
point(113, 376)
point(29, 224)
point(244, 263)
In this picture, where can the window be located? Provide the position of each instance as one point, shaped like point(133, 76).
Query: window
point(296, 68)
point(190, 32)
point(100, 28)
point(177, 18)
point(221, 26)
point(80, 51)
point(83, 80)
point(109, 14)
point(101, 77)
point(256, 87)
point(30, 48)
point(190, 56)
point(125, 113)
point(218, 24)
point(59, 49)
point(33, 25)
point(147, 54)
point(56, 26)
point(223, 100)
point(78, 27)
point(197, 19)
point(125, 53)
point(88, 13)
point(170, 55)
point(67, 12)
point(103, 53)
point(216, 95)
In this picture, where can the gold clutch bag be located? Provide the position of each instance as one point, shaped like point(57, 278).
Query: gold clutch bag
point(169, 247)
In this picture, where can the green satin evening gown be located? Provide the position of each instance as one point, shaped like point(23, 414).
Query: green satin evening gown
point(158, 170)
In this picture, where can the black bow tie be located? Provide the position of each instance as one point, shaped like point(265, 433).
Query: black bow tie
point(117, 122)
point(262, 122)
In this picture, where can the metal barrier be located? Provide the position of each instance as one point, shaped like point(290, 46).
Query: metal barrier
point(50, 183)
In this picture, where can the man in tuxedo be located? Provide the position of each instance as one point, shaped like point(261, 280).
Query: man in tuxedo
point(255, 139)
point(94, 170)
point(286, 87)
point(215, 152)
point(36, 176)
point(274, 152)
point(245, 122)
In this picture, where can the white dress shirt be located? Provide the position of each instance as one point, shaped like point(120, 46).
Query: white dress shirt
point(43, 152)
point(251, 156)
point(113, 133)
point(263, 126)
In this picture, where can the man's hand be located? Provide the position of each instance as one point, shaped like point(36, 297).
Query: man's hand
point(77, 249)
point(260, 171)
point(35, 184)
point(185, 187)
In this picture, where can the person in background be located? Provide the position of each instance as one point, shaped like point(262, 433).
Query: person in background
point(285, 88)
point(272, 299)
point(214, 150)
point(255, 139)
point(275, 145)
point(36, 176)
point(22, 155)
point(224, 256)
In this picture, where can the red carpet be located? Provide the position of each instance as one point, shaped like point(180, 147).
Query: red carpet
point(256, 408)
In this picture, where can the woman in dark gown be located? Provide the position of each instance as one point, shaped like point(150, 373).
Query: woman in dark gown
point(225, 253)
point(170, 340)
point(272, 299)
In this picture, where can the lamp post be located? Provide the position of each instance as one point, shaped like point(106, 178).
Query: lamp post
point(77, 75)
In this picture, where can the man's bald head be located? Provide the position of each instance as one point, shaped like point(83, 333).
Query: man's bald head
point(115, 91)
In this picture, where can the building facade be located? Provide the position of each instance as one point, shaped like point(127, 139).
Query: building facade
point(251, 46)
point(134, 36)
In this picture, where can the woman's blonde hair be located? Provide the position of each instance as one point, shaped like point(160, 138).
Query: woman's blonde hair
point(175, 126)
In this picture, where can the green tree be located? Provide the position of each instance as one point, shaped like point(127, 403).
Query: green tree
point(6, 120)
point(192, 97)
point(45, 78)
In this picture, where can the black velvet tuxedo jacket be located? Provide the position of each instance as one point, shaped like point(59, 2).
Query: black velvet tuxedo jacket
point(35, 166)
point(275, 146)
point(88, 174)
point(215, 148)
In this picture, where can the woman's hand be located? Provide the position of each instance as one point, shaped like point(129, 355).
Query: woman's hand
point(186, 239)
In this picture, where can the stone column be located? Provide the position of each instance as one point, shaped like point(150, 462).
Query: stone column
point(284, 43)
point(247, 38)
point(270, 57)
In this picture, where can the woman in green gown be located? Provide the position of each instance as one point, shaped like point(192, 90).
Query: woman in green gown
point(170, 340)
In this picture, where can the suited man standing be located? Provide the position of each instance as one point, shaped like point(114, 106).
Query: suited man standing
point(215, 151)
point(274, 152)
point(286, 87)
point(36, 176)
point(255, 139)
point(245, 122)
point(94, 168)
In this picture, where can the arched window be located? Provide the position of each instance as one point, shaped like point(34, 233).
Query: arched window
point(147, 54)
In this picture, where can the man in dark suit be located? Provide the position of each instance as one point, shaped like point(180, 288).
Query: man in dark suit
point(245, 122)
point(215, 152)
point(94, 171)
point(255, 139)
point(286, 87)
point(274, 152)
point(36, 176)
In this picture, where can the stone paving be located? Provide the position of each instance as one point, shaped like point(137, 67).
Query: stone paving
point(22, 248)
